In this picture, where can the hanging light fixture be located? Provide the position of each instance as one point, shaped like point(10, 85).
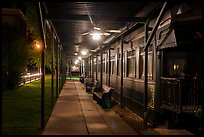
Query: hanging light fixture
point(96, 36)
point(80, 58)
point(84, 52)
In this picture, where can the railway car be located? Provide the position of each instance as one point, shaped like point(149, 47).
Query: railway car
point(173, 69)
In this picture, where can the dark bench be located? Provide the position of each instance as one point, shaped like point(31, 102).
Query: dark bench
point(103, 96)
point(88, 84)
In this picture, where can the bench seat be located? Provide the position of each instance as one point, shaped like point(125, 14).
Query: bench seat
point(103, 97)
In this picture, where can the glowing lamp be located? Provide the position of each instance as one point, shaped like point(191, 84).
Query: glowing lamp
point(96, 36)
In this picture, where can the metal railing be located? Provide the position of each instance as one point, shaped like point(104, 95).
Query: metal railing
point(29, 78)
point(181, 94)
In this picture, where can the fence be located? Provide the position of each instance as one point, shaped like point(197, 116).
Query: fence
point(29, 78)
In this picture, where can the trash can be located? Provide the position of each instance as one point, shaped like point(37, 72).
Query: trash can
point(106, 101)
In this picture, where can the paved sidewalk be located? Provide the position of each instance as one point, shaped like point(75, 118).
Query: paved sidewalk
point(75, 113)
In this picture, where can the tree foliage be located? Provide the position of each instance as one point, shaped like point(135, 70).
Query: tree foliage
point(33, 33)
point(18, 46)
point(14, 56)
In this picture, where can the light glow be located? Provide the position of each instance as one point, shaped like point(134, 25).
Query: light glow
point(79, 57)
point(37, 44)
point(76, 61)
point(74, 68)
point(84, 52)
point(96, 36)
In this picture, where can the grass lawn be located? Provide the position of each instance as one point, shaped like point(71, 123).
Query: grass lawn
point(72, 78)
point(21, 108)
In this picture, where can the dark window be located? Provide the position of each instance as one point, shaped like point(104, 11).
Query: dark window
point(131, 64)
point(107, 65)
point(112, 64)
point(118, 65)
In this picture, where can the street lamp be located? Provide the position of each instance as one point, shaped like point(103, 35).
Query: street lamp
point(37, 44)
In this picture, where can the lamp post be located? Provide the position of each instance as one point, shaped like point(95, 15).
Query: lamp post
point(80, 65)
point(42, 67)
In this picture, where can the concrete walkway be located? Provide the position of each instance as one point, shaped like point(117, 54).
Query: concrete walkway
point(75, 113)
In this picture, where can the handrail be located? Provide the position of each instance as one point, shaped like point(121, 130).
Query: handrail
point(181, 94)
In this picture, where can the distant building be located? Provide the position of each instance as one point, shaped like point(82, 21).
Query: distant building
point(13, 36)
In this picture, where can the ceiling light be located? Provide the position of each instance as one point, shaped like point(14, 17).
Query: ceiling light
point(84, 52)
point(76, 61)
point(96, 28)
point(96, 36)
point(114, 31)
point(79, 57)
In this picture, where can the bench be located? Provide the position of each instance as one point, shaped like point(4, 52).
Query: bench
point(88, 84)
point(103, 96)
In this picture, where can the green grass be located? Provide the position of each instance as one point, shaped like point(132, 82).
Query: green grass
point(21, 108)
point(73, 78)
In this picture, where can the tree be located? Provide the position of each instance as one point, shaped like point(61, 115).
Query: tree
point(14, 56)
point(33, 35)
point(18, 45)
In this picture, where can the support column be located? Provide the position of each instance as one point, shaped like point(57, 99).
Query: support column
point(147, 41)
point(57, 72)
point(80, 71)
point(82, 67)
point(109, 67)
point(52, 77)
point(61, 70)
point(158, 83)
point(101, 75)
point(70, 74)
point(92, 70)
point(154, 56)
point(96, 67)
point(145, 75)
point(105, 67)
point(42, 65)
point(90, 67)
point(121, 74)
point(125, 63)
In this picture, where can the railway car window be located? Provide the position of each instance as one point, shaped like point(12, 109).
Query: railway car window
point(131, 63)
point(118, 65)
point(140, 66)
point(112, 64)
point(118, 62)
point(149, 64)
point(95, 66)
point(103, 64)
point(103, 67)
point(99, 65)
point(107, 67)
